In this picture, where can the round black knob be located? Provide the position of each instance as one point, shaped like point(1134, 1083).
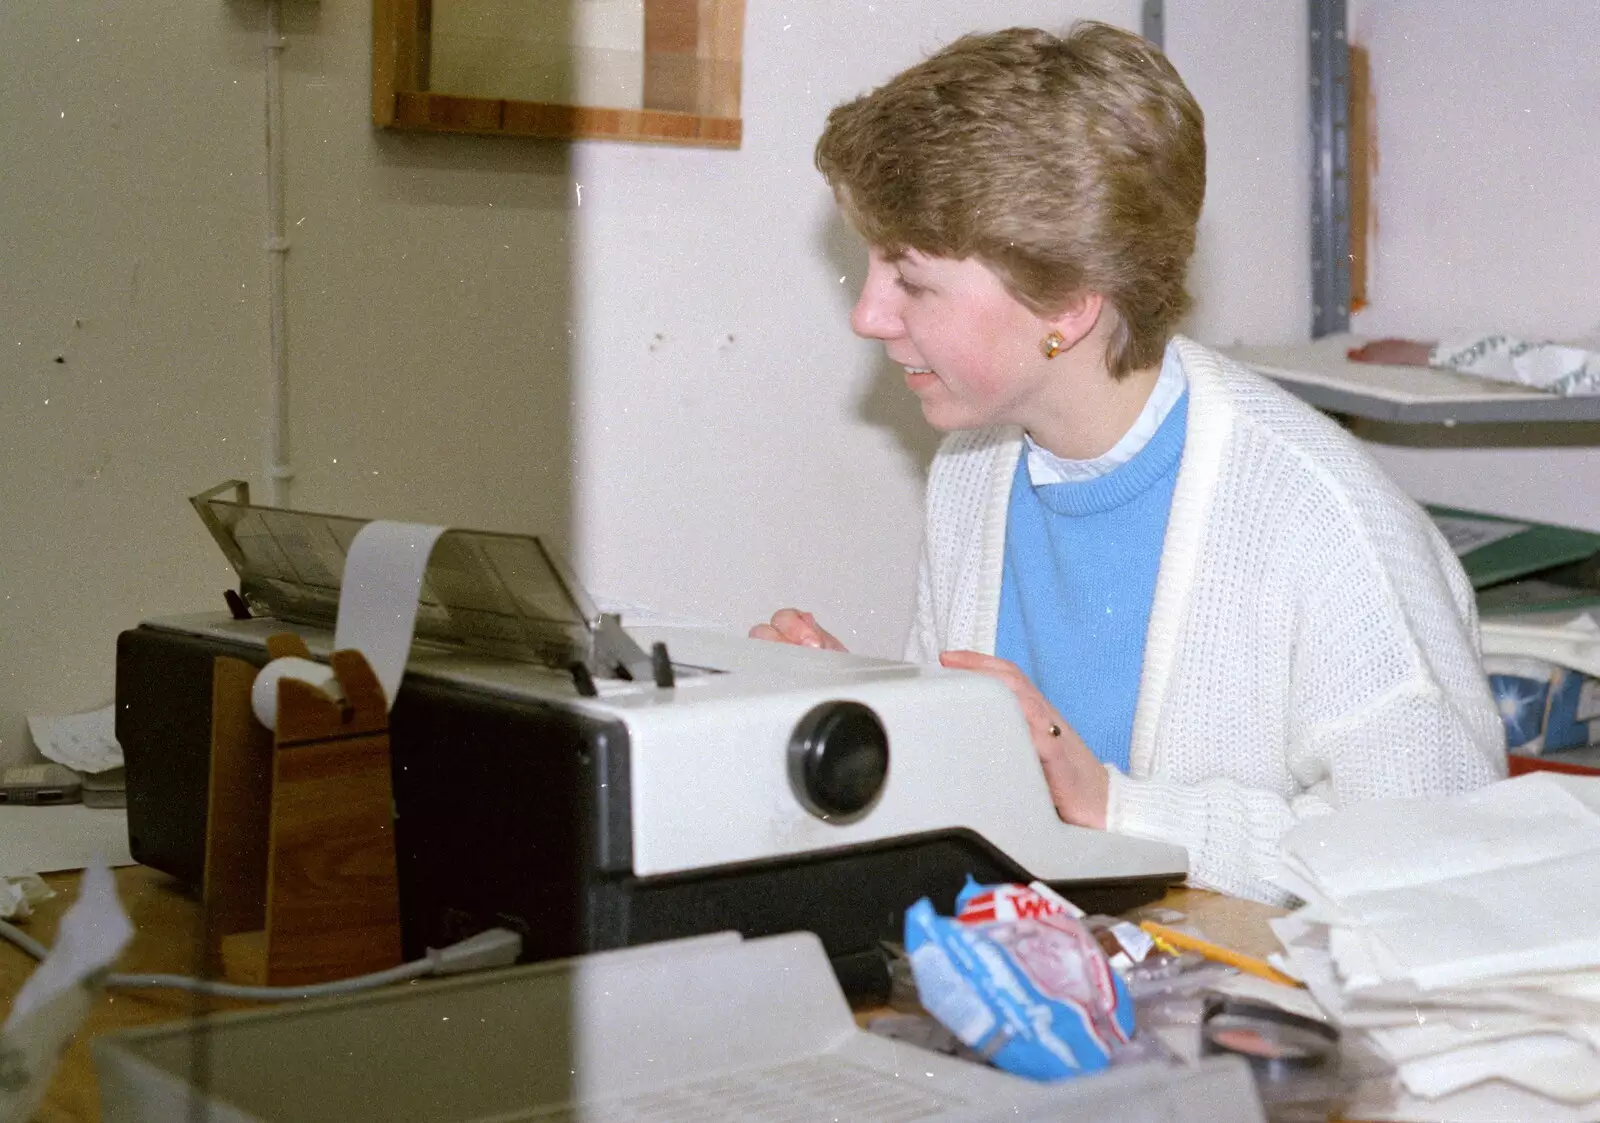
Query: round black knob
point(838, 760)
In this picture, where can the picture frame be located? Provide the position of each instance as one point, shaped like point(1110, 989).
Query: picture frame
point(669, 69)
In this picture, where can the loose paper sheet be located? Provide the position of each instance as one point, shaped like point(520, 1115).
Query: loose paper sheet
point(1396, 844)
point(1466, 535)
point(83, 742)
point(1460, 934)
point(53, 1002)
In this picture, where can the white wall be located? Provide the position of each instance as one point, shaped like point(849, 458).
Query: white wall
point(1489, 168)
point(660, 378)
point(428, 305)
point(125, 253)
point(1248, 67)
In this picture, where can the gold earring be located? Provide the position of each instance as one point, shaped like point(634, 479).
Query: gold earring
point(1053, 344)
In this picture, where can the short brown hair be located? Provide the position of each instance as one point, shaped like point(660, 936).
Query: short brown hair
point(1065, 164)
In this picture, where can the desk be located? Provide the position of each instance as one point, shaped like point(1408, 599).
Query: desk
point(167, 939)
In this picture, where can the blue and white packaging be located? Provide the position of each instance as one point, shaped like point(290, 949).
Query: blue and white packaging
point(1034, 995)
point(1546, 707)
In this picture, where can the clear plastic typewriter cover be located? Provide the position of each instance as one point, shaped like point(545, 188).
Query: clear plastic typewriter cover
point(506, 595)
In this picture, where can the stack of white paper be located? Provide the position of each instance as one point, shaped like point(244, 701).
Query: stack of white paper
point(1461, 939)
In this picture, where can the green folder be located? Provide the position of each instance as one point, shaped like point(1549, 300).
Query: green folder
point(1537, 567)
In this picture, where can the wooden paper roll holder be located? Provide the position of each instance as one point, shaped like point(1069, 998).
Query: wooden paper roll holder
point(300, 877)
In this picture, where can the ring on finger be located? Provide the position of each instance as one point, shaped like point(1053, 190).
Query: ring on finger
point(1055, 730)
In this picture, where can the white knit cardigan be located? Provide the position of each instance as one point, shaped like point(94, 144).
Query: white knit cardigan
point(1312, 642)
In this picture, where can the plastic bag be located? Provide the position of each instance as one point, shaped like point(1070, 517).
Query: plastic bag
point(1021, 980)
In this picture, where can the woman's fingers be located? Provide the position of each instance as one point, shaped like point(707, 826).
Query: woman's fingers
point(1005, 671)
point(791, 625)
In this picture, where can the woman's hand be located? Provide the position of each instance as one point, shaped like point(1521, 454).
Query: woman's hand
point(790, 625)
point(1077, 780)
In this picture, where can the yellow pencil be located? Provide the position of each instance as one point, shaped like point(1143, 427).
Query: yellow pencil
point(1185, 942)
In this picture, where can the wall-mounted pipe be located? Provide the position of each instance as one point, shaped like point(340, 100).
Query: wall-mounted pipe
point(280, 469)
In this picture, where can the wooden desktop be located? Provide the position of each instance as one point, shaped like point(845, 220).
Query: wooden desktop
point(168, 939)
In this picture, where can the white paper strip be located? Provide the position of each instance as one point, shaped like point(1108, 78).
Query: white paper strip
point(379, 593)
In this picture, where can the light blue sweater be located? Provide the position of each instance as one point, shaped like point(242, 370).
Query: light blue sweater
point(1080, 573)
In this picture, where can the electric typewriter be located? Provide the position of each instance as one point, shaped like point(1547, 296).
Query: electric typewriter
point(594, 786)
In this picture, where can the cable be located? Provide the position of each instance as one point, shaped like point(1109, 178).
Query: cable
point(24, 941)
point(215, 989)
point(498, 947)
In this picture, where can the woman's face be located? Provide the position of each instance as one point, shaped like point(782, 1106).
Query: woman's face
point(969, 348)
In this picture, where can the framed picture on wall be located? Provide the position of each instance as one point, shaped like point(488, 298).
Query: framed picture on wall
point(646, 70)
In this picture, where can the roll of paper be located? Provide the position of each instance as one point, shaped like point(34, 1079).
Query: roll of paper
point(264, 692)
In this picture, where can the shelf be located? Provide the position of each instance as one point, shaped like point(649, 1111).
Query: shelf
point(1319, 374)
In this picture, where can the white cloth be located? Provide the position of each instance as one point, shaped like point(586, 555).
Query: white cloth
point(1045, 467)
point(1545, 366)
point(1312, 642)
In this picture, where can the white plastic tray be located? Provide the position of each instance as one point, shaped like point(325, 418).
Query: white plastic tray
point(703, 1030)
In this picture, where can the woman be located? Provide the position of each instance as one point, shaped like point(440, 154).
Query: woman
point(1216, 613)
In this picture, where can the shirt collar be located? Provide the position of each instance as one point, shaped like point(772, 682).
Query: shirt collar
point(1045, 467)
